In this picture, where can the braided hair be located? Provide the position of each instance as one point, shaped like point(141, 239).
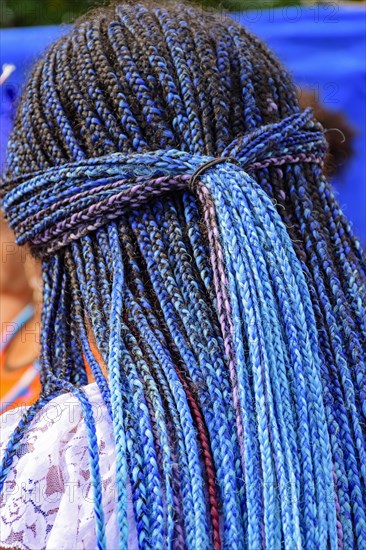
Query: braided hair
point(162, 169)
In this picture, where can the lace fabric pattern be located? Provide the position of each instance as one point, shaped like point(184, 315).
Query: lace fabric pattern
point(47, 502)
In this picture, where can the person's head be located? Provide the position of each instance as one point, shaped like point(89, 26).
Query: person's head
point(151, 147)
point(133, 78)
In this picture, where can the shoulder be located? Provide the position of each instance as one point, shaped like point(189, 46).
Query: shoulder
point(48, 485)
point(56, 425)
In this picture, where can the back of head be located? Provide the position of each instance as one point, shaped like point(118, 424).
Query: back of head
point(137, 77)
point(161, 168)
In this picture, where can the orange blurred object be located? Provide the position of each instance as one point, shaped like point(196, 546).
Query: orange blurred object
point(19, 386)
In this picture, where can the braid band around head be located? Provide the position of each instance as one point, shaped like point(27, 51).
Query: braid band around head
point(95, 191)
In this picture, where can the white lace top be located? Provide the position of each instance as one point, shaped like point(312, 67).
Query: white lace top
point(47, 502)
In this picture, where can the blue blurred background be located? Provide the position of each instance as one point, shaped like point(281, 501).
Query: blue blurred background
point(323, 47)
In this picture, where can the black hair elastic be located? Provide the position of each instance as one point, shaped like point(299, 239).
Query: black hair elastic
point(208, 165)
